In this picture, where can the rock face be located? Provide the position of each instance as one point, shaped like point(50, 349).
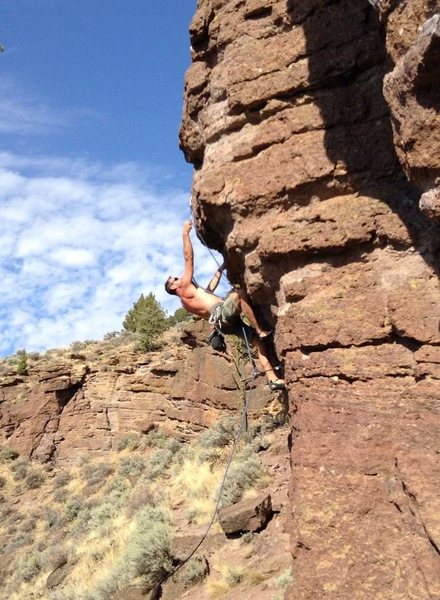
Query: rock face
point(310, 187)
point(76, 404)
point(412, 91)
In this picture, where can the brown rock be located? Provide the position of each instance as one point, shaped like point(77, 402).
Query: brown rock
point(414, 309)
point(64, 409)
point(58, 576)
point(137, 593)
point(6, 562)
point(430, 203)
point(298, 184)
point(248, 515)
point(410, 92)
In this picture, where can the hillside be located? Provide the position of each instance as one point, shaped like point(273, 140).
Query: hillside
point(109, 476)
point(313, 128)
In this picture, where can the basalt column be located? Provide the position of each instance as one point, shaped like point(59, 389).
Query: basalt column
point(298, 182)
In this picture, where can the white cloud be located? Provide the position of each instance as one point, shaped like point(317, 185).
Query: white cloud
point(73, 257)
point(23, 113)
point(80, 245)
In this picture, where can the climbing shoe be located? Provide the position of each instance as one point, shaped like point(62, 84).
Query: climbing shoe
point(278, 384)
point(217, 341)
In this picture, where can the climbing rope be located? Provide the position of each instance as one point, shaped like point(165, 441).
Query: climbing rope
point(243, 426)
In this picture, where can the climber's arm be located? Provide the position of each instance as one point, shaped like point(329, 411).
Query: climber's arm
point(212, 285)
point(188, 254)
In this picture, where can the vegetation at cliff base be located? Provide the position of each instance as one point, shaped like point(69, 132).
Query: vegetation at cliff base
point(108, 522)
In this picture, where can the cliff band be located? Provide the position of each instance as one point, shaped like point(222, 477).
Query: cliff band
point(314, 132)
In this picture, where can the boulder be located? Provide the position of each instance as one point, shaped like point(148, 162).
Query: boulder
point(246, 516)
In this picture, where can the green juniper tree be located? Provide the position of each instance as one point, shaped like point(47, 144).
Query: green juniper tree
point(22, 366)
point(148, 319)
point(180, 316)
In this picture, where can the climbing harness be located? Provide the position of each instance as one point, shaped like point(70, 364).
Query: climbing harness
point(215, 318)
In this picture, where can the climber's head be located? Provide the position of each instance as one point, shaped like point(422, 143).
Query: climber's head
point(172, 284)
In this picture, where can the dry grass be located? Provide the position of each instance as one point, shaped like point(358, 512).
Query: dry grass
point(95, 555)
point(195, 480)
point(216, 588)
point(100, 515)
point(226, 577)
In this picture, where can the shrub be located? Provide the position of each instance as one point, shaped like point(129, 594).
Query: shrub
point(101, 513)
point(191, 514)
point(52, 517)
point(260, 443)
point(244, 472)
point(74, 507)
point(5, 512)
point(155, 438)
point(23, 538)
point(248, 537)
point(60, 496)
point(180, 316)
point(195, 570)
point(29, 566)
point(119, 489)
point(158, 439)
point(233, 576)
point(210, 455)
point(22, 365)
point(130, 441)
point(96, 473)
point(157, 463)
point(8, 454)
point(284, 579)
point(173, 445)
point(34, 480)
point(111, 335)
point(221, 434)
point(19, 469)
point(148, 552)
point(119, 338)
point(62, 479)
point(132, 466)
point(146, 557)
point(77, 346)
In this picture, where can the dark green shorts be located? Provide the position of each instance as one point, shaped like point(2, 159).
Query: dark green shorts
point(231, 318)
point(229, 310)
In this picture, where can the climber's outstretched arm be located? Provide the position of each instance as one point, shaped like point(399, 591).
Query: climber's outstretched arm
point(212, 285)
point(188, 254)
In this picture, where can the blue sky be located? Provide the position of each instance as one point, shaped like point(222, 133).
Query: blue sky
point(93, 186)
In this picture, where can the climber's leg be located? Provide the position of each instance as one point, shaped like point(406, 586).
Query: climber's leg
point(274, 381)
point(242, 300)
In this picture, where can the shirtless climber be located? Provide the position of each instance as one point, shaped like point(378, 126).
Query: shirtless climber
point(224, 311)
